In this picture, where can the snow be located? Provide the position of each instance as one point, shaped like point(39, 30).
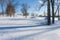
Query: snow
point(33, 33)
point(28, 29)
point(20, 21)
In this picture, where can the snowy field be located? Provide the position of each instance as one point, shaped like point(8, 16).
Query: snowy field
point(28, 29)
point(21, 21)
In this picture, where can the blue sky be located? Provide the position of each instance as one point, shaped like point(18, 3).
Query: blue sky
point(32, 4)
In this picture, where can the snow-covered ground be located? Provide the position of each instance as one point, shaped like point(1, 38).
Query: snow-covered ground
point(15, 29)
point(21, 21)
point(33, 33)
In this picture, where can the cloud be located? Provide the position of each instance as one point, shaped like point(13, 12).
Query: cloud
point(40, 1)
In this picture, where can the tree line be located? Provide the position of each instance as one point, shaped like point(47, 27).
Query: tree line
point(51, 9)
point(11, 8)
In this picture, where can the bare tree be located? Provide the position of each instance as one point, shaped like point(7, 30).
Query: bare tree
point(51, 3)
point(43, 3)
point(2, 2)
point(58, 9)
point(24, 10)
point(48, 10)
point(6, 2)
point(53, 15)
point(10, 10)
point(11, 6)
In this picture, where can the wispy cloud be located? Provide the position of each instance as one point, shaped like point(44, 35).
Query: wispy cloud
point(40, 1)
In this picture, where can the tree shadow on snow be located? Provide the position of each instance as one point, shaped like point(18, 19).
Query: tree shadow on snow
point(39, 33)
point(13, 27)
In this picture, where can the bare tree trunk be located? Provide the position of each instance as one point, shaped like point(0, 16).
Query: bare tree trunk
point(25, 16)
point(48, 14)
point(58, 12)
point(53, 15)
point(2, 9)
point(44, 13)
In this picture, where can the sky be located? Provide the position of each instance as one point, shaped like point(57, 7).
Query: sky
point(32, 6)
